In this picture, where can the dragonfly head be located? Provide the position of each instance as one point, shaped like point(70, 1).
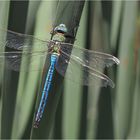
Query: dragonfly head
point(61, 29)
point(58, 33)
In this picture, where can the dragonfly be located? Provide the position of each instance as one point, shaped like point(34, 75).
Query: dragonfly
point(65, 58)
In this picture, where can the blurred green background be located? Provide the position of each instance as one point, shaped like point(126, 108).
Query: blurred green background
point(74, 111)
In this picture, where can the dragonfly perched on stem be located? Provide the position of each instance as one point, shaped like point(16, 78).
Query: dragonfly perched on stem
point(63, 58)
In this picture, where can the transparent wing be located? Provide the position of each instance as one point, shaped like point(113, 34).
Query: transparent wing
point(18, 41)
point(88, 57)
point(21, 48)
point(30, 61)
point(75, 70)
point(80, 64)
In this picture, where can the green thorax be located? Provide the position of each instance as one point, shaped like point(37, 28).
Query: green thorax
point(56, 49)
point(58, 37)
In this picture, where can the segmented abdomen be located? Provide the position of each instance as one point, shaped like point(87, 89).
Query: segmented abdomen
point(45, 91)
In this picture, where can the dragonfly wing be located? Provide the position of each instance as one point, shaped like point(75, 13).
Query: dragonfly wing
point(74, 70)
point(21, 48)
point(18, 41)
point(30, 61)
point(91, 58)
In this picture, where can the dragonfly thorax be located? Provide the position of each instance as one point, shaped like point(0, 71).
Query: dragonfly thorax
point(55, 48)
point(59, 37)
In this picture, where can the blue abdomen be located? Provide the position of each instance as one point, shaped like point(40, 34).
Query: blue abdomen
point(45, 91)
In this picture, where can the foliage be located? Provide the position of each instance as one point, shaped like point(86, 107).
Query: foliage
point(74, 111)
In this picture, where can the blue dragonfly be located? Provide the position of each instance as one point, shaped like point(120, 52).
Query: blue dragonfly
point(65, 58)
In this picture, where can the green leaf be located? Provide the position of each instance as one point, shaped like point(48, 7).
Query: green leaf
point(63, 8)
point(126, 79)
